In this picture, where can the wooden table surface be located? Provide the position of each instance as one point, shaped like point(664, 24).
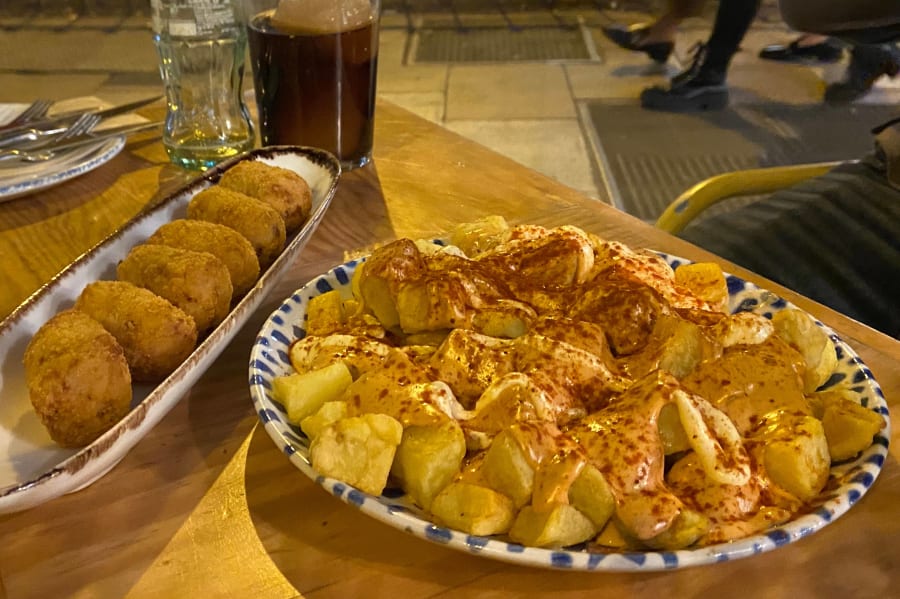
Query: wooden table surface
point(206, 505)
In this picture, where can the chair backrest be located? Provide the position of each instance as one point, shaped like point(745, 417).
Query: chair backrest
point(857, 21)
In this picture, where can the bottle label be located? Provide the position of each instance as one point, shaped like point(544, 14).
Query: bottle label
point(188, 18)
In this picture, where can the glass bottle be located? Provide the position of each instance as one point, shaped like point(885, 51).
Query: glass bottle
point(201, 46)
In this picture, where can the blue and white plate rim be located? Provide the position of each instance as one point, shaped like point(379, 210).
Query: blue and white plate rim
point(269, 358)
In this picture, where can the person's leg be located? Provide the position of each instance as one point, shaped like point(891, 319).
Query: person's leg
point(733, 20)
point(702, 85)
point(867, 65)
point(656, 39)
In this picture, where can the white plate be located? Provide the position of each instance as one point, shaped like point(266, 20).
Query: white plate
point(21, 178)
point(33, 469)
point(269, 358)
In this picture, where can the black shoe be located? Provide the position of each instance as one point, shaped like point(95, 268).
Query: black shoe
point(631, 38)
point(867, 65)
point(697, 88)
point(824, 53)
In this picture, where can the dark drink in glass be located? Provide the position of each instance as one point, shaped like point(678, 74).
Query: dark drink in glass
point(316, 88)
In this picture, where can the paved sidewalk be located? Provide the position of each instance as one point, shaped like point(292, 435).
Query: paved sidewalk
point(531, 108)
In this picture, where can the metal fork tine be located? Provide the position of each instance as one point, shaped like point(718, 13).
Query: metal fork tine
point(35, 110)
point(84, 124)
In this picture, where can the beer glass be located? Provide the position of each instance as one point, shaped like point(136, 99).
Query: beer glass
point(314, 71)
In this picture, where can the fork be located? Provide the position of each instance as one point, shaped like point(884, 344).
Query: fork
point(37, 109)
point(34, 138)
point(82, 125)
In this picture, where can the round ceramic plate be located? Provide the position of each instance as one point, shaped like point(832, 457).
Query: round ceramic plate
point(269, 359)
point(21, 178)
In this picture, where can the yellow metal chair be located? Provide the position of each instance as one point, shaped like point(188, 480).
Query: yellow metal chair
point(738, 183)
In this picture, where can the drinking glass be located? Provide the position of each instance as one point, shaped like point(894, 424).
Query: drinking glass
point(314, 71)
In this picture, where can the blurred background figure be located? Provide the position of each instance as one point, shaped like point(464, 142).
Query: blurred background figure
point(702, 86)
point(868, 63)
point(656, 39)
point(834, 238)
point(809, 48)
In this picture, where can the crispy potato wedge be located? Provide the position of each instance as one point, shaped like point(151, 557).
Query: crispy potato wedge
point(303, 394)
point(358, 450)
point(428, 459)
point(560, 526)
point(473, 509)
point(800, 331)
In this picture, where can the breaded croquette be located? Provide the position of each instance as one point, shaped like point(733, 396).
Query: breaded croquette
point(258, 222)
point(155, 335)
point(282, 189)
point(77, 377)
point(196, 282)
point(225, 243)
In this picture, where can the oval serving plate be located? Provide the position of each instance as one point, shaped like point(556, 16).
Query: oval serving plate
point(849, 480)
point(33, 469)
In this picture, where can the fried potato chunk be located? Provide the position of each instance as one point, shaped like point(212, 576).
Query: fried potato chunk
point(560, 526)
point(282, 189)
point(303, 394)
point(358, 450)
point(480, 236)
point(328, 414)
point(325, 313)
point(224, 243)
point(196, 282)
point(800, 331)
point(705, 280)
point(797, 460)
point(591, 495)
point(473, 509)
point(684, 531)
point(258, 222)
point(428, 458)
point(77, 377)
point(155, 335)
point(849, 427)
point(508, 470)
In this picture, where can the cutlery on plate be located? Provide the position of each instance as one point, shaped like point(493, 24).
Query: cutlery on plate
point(11, 135)
point(33, 139)
point(46, 152)
point(36, 110)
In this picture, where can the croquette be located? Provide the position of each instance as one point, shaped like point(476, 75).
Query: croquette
point(282, 189)
point(196, 282)
point(258, 222)
point(226, 244)
point(78, 379)
point(155, 335)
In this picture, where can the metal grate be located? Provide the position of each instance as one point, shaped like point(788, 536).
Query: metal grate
point(648, 183)
point(649, 157)
point(500, 44)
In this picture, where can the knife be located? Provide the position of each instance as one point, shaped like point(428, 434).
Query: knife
point(64, 118)
point(76, 142)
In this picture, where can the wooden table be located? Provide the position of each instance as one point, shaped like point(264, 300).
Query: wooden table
point(206, 505)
